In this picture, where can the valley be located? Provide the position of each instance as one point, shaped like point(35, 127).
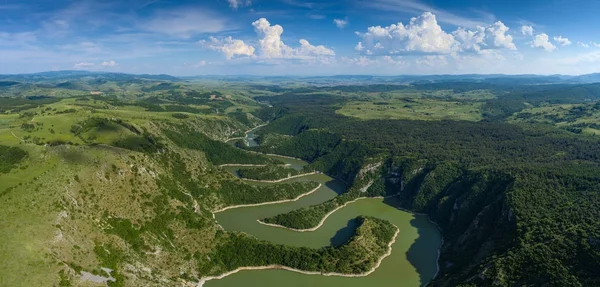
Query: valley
point(139, 180)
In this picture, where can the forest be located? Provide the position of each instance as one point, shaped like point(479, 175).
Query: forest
point(354, 257)
point(269, 172)
point(135, 164)
point(525, 193)
point(10, 157)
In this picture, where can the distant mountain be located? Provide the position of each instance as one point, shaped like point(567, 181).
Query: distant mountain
point(63, 76)
point(57, 77)
point(492, 79)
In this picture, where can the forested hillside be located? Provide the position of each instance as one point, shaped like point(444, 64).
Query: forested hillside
point(511, 200)
point(127, 172)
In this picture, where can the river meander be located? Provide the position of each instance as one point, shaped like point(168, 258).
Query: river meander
point(413, 261)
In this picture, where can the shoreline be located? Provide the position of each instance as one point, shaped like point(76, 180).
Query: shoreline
point(282, 267)
point(279, 180)
point(320, 223)
point(324, 217)
point(246, 133)
point(439, 251)
point(241, 164)
point(268, 203)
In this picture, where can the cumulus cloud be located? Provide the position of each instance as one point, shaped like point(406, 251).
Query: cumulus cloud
point(541, 41)
point(359, 47)
point(83, 65)
point(527, 30)
point(583, 45)
point(271, 46)
point(595, 44)
point(562, 41)
point(228, 46)
point(496, 34)
point(340, 23)
point(109, 63)
point(239, 3)
point(422, 34)
point(484, 39)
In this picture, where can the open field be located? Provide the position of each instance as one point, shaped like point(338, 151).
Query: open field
point(413, 109)
point(577, 118)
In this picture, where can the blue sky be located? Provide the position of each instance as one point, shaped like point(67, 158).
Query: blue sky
point(293, 37)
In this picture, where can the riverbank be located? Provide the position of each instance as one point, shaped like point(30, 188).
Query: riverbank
point(246, 133)
point(267, 203)
point(247, 218)
point(242, 165)
point(439, 251)
point(280, 180)
point(324, 218)
point(276, 266)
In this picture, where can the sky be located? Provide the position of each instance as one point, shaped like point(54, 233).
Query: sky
point(294, 37)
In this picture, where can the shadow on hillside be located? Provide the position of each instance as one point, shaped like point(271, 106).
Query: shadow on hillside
point(424, 248)
point(422, 254)
point(337, 186)
point(343, 235)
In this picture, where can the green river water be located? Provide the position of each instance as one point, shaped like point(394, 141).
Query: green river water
point(413, 261)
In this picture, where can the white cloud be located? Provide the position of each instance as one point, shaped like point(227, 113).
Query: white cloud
point(432, 61)
point(340, 23)
point(424, 35)
point(541, 41)
point(415, 6)
point(496, 34)
point(239, 3)
point(185, 23)
point(595, 44)
point(562, 41)
point(109, 63)
point(199, 64)
point(421, 35)
point(579, 59)
point(83, 65)
point(484, 39)
point(393, 61)
point(527, 30)
point(583, 45)
point(308, 50)
point(228, 46)
point(360, 61)
point(359, 47)
point(272, 47)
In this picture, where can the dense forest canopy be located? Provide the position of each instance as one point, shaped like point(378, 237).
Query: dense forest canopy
point(532, 189)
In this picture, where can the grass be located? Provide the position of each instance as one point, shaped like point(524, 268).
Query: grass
point(413, 109)
point(27, 223)
point(582, 118)
point(56, 201)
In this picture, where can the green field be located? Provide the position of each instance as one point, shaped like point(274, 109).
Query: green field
point(413, 109)
point(578, 118)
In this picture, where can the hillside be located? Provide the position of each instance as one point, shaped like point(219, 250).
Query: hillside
point(119, 187)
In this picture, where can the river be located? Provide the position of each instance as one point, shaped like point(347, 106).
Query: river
point(413, 261)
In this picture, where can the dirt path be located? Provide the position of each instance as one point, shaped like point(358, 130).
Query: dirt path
point(267, 203)
point(13, 134)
